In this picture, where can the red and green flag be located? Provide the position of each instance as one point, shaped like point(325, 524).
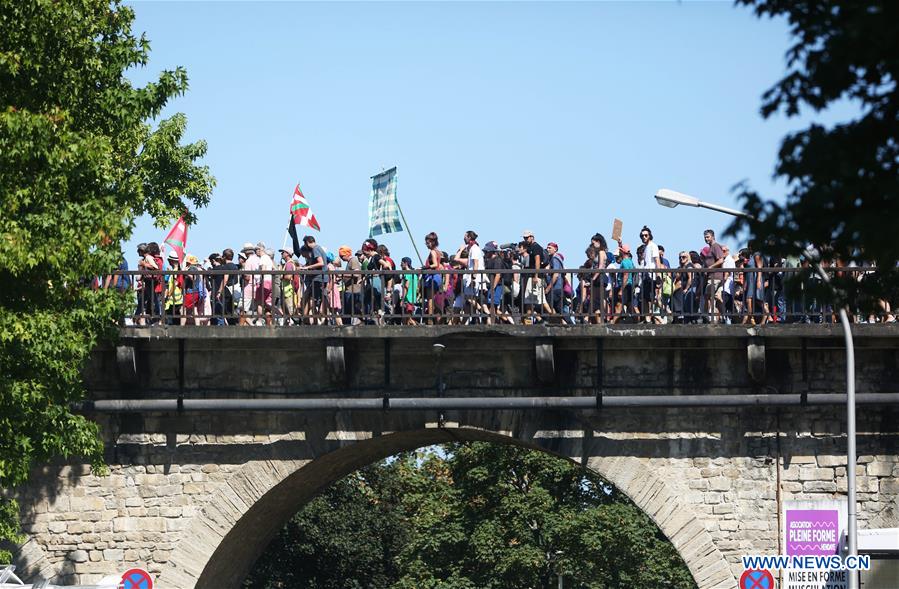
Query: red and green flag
point(300, 211)
point(177, 239)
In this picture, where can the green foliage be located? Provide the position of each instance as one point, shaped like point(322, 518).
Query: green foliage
point(474, 516)
point(842, 181)
point(79, 161)
point(342, 539)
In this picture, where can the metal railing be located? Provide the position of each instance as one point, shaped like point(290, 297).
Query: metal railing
point(568, 296)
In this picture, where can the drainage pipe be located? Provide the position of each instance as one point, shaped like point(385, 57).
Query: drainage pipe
point(478, 403)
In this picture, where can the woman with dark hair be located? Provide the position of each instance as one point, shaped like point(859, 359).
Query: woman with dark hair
point(432, 282)
point(388, 279)
point(754, 290)
point(601, 258)
point(585, 282)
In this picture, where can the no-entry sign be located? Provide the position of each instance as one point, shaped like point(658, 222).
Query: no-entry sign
point(137, 579)
point(756, 579)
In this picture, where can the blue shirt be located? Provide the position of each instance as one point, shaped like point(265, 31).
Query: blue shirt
point(556, 264)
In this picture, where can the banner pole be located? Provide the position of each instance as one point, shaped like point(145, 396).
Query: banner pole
point(409, 231)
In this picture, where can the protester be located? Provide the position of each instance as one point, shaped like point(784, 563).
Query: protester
point(352, 285)
point(534, 294)
point(315, 282)
point(651, 259)
point(433, 281)
point(712, 257)
point(411, 295)
point(334, 298)
point(174, 292)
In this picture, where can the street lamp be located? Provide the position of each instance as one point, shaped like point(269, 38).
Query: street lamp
point(670, 198)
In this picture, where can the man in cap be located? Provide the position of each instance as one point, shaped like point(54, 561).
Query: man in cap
point(290, 285)
point(472, 284)
point(250, 283)
point(495, 288)
point(194, 292)
point(263, 292)
point(534, 293)
point(555, 291)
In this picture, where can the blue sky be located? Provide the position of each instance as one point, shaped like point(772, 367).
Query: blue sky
point(555, 117)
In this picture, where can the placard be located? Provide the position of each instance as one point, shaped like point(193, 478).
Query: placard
point(616, 230)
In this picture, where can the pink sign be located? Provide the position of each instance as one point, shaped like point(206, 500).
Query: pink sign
point(814, 532)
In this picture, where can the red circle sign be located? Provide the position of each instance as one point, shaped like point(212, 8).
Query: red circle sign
point(137, 579)
point(756, 579)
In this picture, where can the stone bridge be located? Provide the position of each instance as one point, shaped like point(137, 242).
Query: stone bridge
point(195, 492)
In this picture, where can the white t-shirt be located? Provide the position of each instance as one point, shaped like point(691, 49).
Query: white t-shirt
point(650, 255)
point(475, 254)
point(729, 264)
point(266, 263)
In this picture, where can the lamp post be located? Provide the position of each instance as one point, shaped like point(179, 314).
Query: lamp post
point(670, 198)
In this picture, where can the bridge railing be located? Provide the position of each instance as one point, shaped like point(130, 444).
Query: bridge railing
point(459, 296)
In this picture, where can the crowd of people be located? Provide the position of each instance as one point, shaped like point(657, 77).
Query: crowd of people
point(521, 282)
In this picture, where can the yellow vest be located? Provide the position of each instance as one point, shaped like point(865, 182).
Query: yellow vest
point(177, 296)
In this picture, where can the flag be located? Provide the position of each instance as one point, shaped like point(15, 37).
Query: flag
point(383, 209)
point(177, 238)
point(292, 230)
point(299, 210)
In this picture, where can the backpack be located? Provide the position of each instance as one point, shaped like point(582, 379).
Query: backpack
point(508, 279)
point(544, 261)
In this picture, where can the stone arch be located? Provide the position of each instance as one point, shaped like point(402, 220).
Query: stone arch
point(223, 541)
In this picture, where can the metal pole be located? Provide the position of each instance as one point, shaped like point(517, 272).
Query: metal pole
point(852, 507)
point(409, 231)
point(852, 511)
point(721, 209)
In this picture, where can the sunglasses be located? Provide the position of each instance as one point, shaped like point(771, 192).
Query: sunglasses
point(644, 235)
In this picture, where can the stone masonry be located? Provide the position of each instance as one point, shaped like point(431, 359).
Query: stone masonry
point(195, 497)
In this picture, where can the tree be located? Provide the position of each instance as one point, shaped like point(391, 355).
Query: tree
point(79, 162)
point(471, 516)
point(492, 516)
point(346, 538)
point(843, 180)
